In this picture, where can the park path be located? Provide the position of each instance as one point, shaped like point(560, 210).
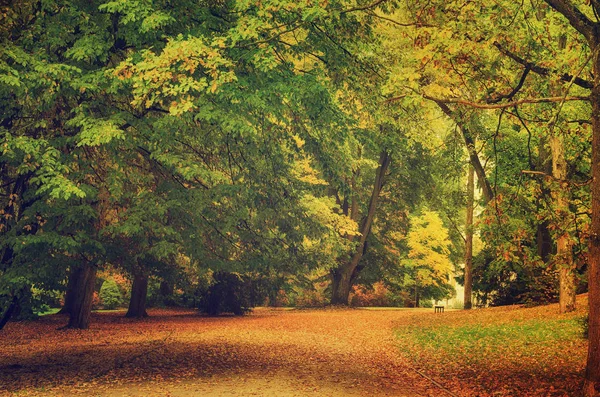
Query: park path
point(334, 352)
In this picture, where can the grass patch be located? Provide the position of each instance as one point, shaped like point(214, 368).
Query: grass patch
point(52, 310)
point(472, 337)
point(479, 343)
point(499, 351)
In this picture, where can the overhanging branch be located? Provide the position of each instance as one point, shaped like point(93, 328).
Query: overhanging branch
point(542, 70)
point(477, 105)
point(364, 8)
point(576, 18)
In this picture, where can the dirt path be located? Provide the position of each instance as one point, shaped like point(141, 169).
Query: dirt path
point(177, 353)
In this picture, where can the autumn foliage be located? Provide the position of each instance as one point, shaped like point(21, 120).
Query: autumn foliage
point(509, 351)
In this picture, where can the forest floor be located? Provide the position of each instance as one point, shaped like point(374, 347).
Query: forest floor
point(331, 352)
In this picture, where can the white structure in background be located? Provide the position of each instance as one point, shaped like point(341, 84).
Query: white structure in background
point(458, 301)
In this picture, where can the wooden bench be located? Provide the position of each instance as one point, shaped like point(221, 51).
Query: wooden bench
point(438, 309)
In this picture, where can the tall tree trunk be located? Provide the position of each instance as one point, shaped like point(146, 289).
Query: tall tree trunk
point(592, 374)
point(469, 239)
point(81, 307)
point(544, 242)
point(139, 292)
point(486, 187)
point(345, 273)
point(12, 214)
point(416, 294)
point(7, 314)
point(564, 256)
point(71, 292)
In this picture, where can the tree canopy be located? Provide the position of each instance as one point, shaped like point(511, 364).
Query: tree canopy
point(304, 144)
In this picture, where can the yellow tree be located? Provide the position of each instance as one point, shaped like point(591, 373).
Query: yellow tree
point(428, 257)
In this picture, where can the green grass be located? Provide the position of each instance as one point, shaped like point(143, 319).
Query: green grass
point(521, 332)
point(53, 310)
point(508, 341)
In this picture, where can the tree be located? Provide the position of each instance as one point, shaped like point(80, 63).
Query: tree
point(468, 283)
point(345, 274)
point(489, 77)
point(110, 295)
point(223, 131)
point(428, 256)
point(589, 30)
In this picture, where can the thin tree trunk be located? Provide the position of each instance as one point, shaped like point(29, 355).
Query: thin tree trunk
point(416, 295)
point(345, 273)
point(545, 244)
point(139, 292)
point(9, 312)
point(469, 239)
point(564, 257)
point(81, 308)
point(12, 214)
point(486, 187)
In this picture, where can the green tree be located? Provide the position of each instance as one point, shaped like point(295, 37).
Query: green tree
point(110, 295)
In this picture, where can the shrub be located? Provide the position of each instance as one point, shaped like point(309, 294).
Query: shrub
point(280, 300)
point(314, 296)
point(110, 295)
point(426, 303)
point(378, 295)
point(228, 294)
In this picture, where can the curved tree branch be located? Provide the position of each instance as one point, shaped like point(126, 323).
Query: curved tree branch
point(575, 16)
point(542, 70)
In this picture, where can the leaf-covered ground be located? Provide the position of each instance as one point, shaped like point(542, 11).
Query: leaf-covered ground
point(504, 351)
point(297, 353)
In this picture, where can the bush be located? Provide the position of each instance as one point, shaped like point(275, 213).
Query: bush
point(110, 295)
point(312, 297)
point(281, 299)
point(378, 295)
point(228, 294)
point(426, 303)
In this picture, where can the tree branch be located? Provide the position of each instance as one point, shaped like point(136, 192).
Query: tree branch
point(542, 70)
point(363, 8)
point(488, 193)
point(503, 105)
point(515, 90)
point(403, 24)
point(576, 18)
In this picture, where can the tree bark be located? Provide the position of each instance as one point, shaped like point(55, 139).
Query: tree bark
point(344, 275)
point(81, 307)
point(592, 374)
point(544, 242)
point(12, 214)
point(564, 256)
point(9, 312)
point(70, 293)
point(416, 295)
point(469, 239)
point(139, 292)
point(590, 31)
point(486, 187)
